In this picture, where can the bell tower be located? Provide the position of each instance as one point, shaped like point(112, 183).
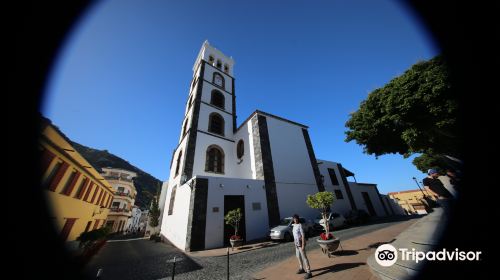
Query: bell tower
point(206, 142)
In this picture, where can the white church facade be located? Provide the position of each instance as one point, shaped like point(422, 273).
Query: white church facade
point(266, 166)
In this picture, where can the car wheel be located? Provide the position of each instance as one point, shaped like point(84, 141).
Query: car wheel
point(288, 237)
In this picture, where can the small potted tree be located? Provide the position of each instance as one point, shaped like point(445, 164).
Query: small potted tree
point(233, 219)
point(323, 201)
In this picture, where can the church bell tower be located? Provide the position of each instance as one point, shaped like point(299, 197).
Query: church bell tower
point(206, 142)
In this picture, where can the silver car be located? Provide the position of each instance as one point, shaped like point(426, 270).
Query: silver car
point(336, 221)
point(284, 229)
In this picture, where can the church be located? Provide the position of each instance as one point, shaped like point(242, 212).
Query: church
point(266, 166)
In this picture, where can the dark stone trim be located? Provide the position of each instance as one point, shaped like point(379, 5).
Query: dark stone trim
point(347, 187)
point(217, 87)
point(234, 109)
point(264, 166)
point(197, 217)
point(191, 90)
point(218, 108)
point(222, 72)
point(312, 158)
point(272, 116)
point(215, 135)
point(366, 184)
point(187, 113)
point(389, 204)
point(191, 144)
point(173, 154)
point(381, 201)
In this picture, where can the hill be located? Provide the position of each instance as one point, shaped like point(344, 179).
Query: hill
point(145, 184)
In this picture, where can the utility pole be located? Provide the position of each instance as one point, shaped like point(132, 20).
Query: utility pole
point(415, 179)
point(430, 203)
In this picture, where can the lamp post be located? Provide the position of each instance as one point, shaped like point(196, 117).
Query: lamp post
point(415, 179)
point(430, 203)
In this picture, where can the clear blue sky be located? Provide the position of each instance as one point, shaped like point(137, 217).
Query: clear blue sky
point(122, 78)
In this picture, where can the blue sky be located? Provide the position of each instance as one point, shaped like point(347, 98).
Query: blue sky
point(121, 80)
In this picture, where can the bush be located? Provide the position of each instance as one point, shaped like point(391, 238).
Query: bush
point(155, 236)
point(87, 238)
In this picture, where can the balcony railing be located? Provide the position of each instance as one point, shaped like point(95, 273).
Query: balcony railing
point(119, 210)
point(109, 177)
point(125, 194)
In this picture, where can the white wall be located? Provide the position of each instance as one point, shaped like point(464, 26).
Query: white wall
point(256, 221)
point(391, 203)
point(181, 147)
point(292, 200)
point(342, 206)
point(205, 112)
point(207, 50)
point(174, 227)
point(228, 81)
point(293, 172)
point(207, 96)
point(245, 168)
point(289, 151)
point(357, 189)
point(162, 199)
point(203, 141)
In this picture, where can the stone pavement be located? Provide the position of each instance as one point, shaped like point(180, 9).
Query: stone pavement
point(223, 251)
point(421, 236)
point(349, 263)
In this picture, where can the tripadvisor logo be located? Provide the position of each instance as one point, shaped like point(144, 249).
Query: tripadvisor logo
point(387, 255)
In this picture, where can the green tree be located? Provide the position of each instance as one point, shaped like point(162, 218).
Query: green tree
point(154, 211)
point(416, 112)
point(322, 201)
point(233, 219)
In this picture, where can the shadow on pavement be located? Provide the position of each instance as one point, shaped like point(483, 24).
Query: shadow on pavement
point(345, 253)
point(336, 268)
point(265, 245)
point(376, 244)
point(139, 260)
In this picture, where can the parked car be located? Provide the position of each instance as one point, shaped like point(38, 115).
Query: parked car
point(357, 217)
point(336, 220)
point(283, 231)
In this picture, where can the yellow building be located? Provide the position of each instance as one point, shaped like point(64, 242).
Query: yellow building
point(412, 201)
point(124, 198)
point(79, 196)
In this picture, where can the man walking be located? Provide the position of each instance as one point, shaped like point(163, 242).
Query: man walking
point(300, 247)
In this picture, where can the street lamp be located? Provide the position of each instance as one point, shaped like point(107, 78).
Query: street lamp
point(428, 201)
point(415, 179)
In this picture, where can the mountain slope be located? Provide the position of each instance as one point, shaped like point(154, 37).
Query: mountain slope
point(145, 184)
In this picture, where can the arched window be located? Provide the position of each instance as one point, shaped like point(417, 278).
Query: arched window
point(215, 159)
point(218, 80)
point(216, 124)
point(217, 99)
point(184, 129)
point(172, 200)
point(240, 149)
point(210, 59)
point(219, 64)
point(178, 163)
point(226, 68)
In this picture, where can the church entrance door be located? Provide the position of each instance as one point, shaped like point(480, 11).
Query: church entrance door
point(232, 202)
